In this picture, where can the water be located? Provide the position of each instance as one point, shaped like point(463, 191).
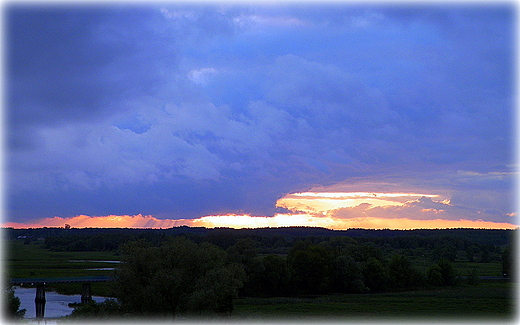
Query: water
point(57, 305)
point(82, 261)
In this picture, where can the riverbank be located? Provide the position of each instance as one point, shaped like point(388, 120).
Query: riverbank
point(33, 261)
point(57, 305)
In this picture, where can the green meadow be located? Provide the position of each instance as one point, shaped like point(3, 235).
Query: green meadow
point(464, 267)
point(33, 261)
point(489, 300)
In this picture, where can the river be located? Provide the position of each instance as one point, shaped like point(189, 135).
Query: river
point(57, 305)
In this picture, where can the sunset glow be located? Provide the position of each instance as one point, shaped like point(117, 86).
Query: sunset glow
point(247, 221)
point(112, 221)
point(322, 202)
point(332, 210)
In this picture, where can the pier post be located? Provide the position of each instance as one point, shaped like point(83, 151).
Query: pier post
point(86, 295)
point(40, 300)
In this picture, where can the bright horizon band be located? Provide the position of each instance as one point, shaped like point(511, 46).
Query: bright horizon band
point(332, 210)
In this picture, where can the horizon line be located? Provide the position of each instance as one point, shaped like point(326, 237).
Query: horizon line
point(252, 228)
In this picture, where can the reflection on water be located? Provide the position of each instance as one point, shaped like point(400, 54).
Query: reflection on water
point(97, 261)
point(57, 305)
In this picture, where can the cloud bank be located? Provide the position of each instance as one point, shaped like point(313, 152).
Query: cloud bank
point(332, 210)
point(179, 111)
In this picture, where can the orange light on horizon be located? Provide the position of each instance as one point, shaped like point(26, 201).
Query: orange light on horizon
point(248, 221)
point(111, 221)
point(329, 222)
point(332, 210)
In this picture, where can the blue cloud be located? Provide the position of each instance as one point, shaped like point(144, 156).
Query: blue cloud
point(183, 110)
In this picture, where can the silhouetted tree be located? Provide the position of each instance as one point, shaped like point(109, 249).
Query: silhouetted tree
point(12, 305)
point(275, 277)
point(375, 275)
point(445, 250)
point(96, 311)
point(435, 275)
point(347, 276)
point(442, 273)
point(484, 255)
point(449, 275)
point(470, 252)
point(176, 277)
point(402, 274)
point(338, 246)
point(508, 263)
point(310, 267)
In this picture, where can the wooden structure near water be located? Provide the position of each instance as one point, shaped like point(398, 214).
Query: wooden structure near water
point(39, 300)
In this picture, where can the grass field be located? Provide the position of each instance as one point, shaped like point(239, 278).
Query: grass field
point(482, 269)
point(487, 301)
point(32, 261)
point(462, 267)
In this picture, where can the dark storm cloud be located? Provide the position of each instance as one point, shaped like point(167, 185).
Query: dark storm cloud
point(184, 110)
point(66, 63)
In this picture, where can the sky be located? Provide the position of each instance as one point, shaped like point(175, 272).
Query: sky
point(250, 114)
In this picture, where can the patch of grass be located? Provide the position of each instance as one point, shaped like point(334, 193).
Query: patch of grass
point(482, 269)
point(33, 261)
point(489, 300)
point(462, 267)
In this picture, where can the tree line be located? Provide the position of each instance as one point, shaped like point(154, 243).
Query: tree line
point(478, 245)
point(197, 271)
point(180, 276)
point(224, 237)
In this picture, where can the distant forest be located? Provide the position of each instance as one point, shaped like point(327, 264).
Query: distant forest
point(268, 240)
point(191, 269)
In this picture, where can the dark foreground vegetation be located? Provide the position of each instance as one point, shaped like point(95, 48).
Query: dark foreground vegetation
point(279, 272)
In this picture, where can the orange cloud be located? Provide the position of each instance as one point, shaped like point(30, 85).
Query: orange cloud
point(332, 210)
point(111, 221)
point(399, 206)
point(323, 202)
